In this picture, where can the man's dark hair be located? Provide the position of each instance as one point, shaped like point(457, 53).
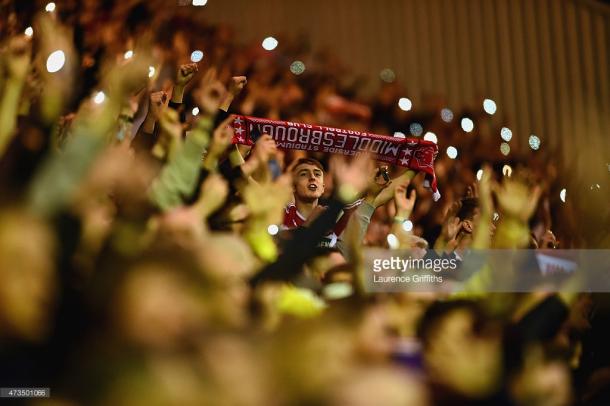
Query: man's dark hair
point(467, 209)
point(438, 311)
point(310, 161)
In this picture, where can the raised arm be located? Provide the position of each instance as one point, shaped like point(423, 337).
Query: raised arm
point(482, 232)
point(236, 85)
point(178, 179)
point(184, 75)
point(60, 175)
point(17, 62)
point(144, 139)
point(404, 208)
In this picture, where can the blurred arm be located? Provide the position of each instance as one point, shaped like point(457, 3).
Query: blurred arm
point(178, 178)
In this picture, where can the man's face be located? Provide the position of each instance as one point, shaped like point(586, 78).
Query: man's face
point(308, 182)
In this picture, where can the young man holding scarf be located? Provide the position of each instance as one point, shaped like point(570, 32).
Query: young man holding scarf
point(308, 188)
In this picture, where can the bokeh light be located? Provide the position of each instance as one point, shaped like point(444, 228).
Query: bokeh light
point(506, 134)
point(505, 148)
point(392, 241)
point(200, 3)
point(407, 225)
point(56, 61)
point(405, 104)
point(452, 152)
point(489, 106)
point(399, 134)
point(29, 31)
point(507, 170)
point(195, 111)
point(297, 67)
point(430, 136)
point(151, 71)
point(128, 54)
point(416, 129)
point(479, 174)
point(273, 229)
point(269, 43)
point(467, 124)
point(534, 142)
point(99, 97)
point(562, 195)
point(446, 115)
point(387, 75)
point(196, 56)
point(50, 7)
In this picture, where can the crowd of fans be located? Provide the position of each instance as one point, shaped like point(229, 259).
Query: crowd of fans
point(145, 259)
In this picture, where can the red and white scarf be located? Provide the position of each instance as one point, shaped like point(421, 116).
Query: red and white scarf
point(413, 153)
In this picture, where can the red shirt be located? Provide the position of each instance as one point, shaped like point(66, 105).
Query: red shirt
point(294, 219)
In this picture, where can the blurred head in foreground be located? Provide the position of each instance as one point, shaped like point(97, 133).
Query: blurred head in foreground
point(27, 275)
